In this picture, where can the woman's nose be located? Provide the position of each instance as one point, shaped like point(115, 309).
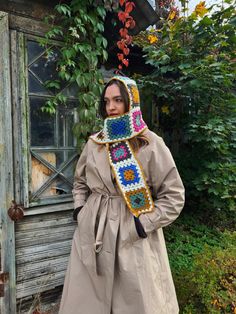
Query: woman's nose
point(111, 105)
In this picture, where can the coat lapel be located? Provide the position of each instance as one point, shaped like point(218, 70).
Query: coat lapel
point(103, 167)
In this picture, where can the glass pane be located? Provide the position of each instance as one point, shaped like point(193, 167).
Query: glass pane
point(41, 174)
point(69, 171)
point(62, 187)
point(42, 125)
point(34, 50)
point(66, 122)
point(58, 158)
point(36, 87)
point(45, 66)
point(71, 91)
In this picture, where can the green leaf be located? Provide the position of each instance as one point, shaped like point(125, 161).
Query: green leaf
point(105, 55)
point(63, 9)
point(104, 41)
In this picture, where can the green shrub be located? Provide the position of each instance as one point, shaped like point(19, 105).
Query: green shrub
point(210, 285)
point(186, 238)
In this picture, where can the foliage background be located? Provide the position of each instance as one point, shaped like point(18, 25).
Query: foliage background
point(192, 92)
point(192, 85)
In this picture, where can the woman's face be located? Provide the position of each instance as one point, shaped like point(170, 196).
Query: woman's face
point(114, 103)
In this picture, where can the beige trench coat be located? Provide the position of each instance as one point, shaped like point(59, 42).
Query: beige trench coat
point(111, 269)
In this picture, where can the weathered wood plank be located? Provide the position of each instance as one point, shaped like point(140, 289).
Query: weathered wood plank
point(49, 302)
point(44, 236)
point(40, 284)
point(41, 252)
point(35, 270)
point(23, 118)
point(8, 304)
point(43, 244)
point(35, 221)
point(35, 9)
point(52, 208)
point(27, 25)
point(16, 119)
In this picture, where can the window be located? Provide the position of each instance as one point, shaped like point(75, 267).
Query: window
point(52, 144)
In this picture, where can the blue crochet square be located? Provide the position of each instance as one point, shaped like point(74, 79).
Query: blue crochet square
point(117, 129)
point(138, 200)
point(129, 175)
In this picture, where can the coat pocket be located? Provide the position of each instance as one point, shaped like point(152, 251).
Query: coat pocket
point(81, 214)
point(133, 232)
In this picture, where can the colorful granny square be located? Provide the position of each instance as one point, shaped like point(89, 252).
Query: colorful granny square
point(119, 128)
point(129, 175)
point(119, 152)
point(138, 122)
point(138, 199)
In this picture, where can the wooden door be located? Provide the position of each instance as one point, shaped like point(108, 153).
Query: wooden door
point(38, 160)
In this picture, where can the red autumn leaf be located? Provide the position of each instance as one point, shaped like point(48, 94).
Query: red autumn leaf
point(128, 40)
point(123, 16)
point(126, 62)
point(121, 44)
point(123, 32)
point(120, 56)
point(130, 23)
point(126, 51)
point(129, 6)
point(122, 2)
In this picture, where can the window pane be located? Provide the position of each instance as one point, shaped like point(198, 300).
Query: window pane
point(66, 122)
point(45, 66)
point(58, 158)
point(71, 90)
point(42, 173)
point(36, 87)
point(34, 50)
point(46, 166)
point(42, 124)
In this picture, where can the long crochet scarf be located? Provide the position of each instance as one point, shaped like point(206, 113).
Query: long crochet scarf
point(128, 171)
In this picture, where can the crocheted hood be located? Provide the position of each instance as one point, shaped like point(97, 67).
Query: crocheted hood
point(127, 125)
point(125, 166)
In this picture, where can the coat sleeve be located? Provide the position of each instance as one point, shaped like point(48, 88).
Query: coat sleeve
point(167, 189)
point(80, 188)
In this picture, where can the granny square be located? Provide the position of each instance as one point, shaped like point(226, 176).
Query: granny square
point(138, 122)
point(129, 175)
point(119, 128)
point(119, 152)
point(138, 199)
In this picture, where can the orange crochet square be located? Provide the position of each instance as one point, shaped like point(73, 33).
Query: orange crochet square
point(129, 175)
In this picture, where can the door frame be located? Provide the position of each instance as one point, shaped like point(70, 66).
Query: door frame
point(8, 301)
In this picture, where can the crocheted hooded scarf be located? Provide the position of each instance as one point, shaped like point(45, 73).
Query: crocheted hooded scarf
point(115, 135)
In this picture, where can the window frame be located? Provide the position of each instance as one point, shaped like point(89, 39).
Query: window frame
point(27, 149)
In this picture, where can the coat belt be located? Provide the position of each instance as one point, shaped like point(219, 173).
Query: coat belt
point(97, 246)
point(102, 221)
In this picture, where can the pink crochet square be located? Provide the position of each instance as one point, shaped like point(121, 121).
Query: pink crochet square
point(138, 122)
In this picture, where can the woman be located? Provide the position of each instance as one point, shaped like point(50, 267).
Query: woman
point(126, 189)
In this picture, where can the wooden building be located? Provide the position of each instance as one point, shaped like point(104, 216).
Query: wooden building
point(37, 159)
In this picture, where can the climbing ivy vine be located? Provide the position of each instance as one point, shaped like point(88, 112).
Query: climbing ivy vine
point(80, 25)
